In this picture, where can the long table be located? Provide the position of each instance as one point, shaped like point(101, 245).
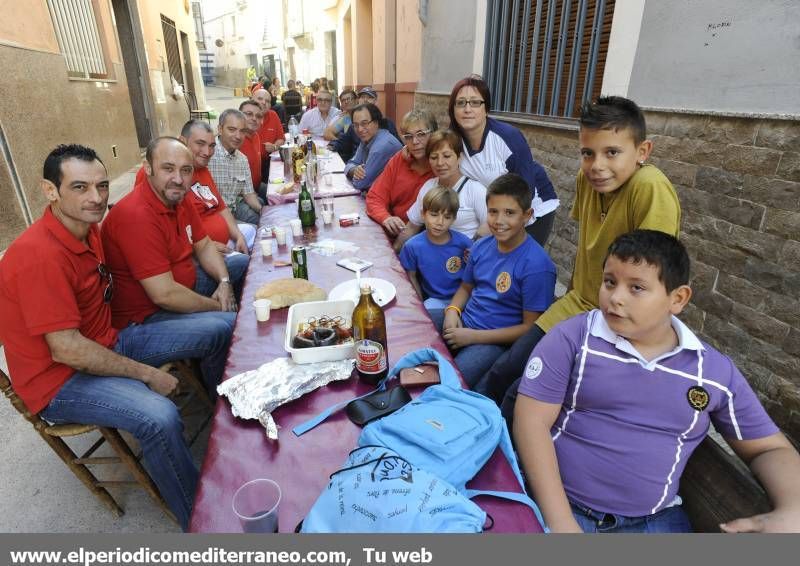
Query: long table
point(239, 451)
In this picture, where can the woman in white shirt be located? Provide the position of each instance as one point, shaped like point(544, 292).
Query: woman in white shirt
point(444, 153)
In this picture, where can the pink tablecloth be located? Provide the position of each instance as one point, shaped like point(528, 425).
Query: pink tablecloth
point(239, 451)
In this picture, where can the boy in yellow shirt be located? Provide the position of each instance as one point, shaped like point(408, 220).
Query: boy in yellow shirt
point(616, 193)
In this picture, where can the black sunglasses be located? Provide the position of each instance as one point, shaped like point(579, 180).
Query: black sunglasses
point(108, 293)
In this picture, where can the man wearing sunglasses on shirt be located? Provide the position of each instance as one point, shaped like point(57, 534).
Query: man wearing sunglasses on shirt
point(66, 361)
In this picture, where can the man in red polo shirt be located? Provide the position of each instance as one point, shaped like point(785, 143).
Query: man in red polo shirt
point(252, 147)
point(152, 238)
point(219, 223)
point(271, 131)
point(66, 361)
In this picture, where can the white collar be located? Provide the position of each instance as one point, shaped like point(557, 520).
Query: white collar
point(687, 340)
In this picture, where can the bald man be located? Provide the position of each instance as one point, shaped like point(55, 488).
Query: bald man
point(164, 266)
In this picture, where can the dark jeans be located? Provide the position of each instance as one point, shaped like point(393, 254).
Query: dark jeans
point(540, 230)
point(505, 373)
point(670, 520)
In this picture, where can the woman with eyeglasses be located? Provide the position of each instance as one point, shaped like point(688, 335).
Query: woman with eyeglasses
point(493, 148)
point(376, 148)
point(444, 151)
point(396, 189)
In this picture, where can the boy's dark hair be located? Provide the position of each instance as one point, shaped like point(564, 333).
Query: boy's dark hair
point(441, 199)
point(514, 186)
point(659, 249)
point(52, 164)
point(614, 113)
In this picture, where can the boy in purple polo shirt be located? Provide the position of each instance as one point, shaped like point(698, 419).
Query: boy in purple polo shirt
point(614, 401)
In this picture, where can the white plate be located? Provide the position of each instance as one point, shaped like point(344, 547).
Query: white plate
point(383, 291)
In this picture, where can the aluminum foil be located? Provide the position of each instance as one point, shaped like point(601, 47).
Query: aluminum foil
point(255, 394)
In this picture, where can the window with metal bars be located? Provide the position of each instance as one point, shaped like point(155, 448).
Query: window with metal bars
point(171, 45)
point(78, 38)
point(546, 57)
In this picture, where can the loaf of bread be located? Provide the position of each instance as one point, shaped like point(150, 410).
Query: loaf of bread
point(289, 291)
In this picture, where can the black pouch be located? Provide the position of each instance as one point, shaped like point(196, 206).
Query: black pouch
point(377, 404)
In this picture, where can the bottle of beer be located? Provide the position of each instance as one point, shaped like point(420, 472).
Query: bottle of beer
point(297, 163)
point(305, 207)
point(369, 333)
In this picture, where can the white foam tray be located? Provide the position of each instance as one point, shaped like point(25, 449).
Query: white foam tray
point(301, 312)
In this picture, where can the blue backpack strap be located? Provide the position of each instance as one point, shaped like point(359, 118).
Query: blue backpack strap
point(513, 496)
point(447, 376)
point(508, 451)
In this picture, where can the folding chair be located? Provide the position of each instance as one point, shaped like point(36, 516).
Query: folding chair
point(194, 111)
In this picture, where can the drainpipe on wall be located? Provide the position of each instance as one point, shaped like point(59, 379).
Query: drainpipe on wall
point(22, 199)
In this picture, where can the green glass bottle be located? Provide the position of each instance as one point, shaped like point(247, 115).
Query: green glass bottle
point(305, 207)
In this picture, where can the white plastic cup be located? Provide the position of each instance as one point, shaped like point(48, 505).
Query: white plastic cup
point(266, 247)
point(280, 236)
point(328, 179)
point(256, 505)
point(262, 307)
point(297, 227)
point(327, 216)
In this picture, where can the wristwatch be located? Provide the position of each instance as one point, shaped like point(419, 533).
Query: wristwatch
point(225, 280)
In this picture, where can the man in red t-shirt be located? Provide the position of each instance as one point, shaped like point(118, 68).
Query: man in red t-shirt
point(152, 238)
point(217, 219)
point(66, 361)
point(252, 147)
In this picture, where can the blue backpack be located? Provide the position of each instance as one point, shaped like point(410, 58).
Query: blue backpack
point(378, 491)
point(447, 431)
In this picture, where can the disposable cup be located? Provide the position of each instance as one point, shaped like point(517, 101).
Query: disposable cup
point(297, 227)
point(262, 307)
point(327, 216)
point(256, 505)
point(328, 179)
point(266, 247)
point(280, 236)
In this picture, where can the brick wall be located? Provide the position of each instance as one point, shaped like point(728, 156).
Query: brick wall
point(738, 180)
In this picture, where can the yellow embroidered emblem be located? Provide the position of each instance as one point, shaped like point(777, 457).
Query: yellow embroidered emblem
point(503, 282)
point(454, 264)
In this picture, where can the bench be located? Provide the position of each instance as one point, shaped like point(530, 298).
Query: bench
point(717, 487)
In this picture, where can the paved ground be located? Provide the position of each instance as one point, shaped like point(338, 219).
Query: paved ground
point(38, 492)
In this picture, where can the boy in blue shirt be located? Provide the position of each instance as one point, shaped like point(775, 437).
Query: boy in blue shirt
point(508, 282)
point(438, 253)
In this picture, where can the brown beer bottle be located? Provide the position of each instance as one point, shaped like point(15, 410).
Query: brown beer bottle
point(369, 333)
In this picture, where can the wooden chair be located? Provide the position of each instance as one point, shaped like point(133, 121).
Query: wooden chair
point(717, 487)
point(194, 111)
point(54, 436)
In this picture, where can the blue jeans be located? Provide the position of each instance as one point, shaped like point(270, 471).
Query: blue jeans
point(237, 268)
point(669, 520)
point(128, 404)
point(473, 361)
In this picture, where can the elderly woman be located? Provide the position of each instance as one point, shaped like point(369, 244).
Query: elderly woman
point(375, 150)
point(493, 148)
point(396, 189)
point(444, 154)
